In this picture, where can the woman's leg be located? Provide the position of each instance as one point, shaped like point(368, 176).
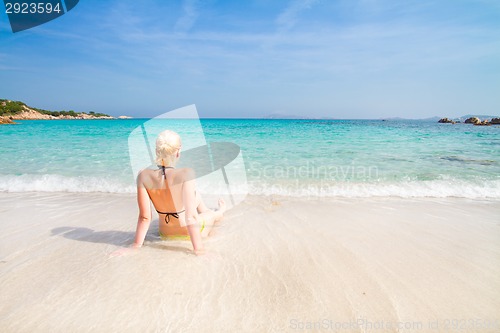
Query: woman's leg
point(208, 216)
point(200, 204)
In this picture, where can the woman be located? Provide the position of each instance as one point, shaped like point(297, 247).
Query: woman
point(182, 212)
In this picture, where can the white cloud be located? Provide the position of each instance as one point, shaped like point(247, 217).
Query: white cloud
point(288, 18)
point(187, 21)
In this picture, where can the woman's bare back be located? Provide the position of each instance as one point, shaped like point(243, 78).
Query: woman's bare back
point(166, 194)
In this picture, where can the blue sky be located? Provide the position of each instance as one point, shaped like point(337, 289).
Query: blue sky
point(338, 58)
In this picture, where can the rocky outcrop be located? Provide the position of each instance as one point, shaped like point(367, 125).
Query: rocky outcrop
point(476, 121)
point(446, 121)
point(83, 116)
point(124, 117)
point(20, 111)
point(30, 114)
point(473, 120)
point(483, 123)
point(6, 120)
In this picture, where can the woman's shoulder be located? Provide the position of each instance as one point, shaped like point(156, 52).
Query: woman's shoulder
point(145, 173)
point(185, 173)
point(144, 176)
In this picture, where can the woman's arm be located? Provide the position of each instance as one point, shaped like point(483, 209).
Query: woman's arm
point(189, 199)
point(144, 218)
point(143, 221)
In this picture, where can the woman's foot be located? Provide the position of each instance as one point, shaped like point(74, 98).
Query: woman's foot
point(212, 217)
point(219, 213)
point(222, 206)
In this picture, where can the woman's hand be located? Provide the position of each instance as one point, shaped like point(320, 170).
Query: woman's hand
point(200, 252)
point(125, 251)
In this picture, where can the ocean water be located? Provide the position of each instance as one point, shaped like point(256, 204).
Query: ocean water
point(301, 158)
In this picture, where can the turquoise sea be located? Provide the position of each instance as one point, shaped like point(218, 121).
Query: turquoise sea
point(345, 158)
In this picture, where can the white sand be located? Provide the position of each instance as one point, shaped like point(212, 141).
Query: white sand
point(275, 265)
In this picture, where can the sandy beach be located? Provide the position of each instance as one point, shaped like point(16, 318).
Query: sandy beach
point(276, 264)
point(355, 145)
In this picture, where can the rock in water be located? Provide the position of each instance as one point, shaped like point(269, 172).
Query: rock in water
point(6, 120)
point(473, 120)
point(445, 121)
point(483, 123)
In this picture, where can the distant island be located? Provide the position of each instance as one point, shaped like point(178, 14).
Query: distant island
point(16, 110)
point(473, 119)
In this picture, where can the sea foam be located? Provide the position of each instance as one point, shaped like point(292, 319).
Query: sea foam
point(414, 189)
point(443, 188)
point(58, 183)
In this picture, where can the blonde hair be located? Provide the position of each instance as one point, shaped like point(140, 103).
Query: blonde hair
point(167, 143)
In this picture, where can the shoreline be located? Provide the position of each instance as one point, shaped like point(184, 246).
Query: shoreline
point(341, 259)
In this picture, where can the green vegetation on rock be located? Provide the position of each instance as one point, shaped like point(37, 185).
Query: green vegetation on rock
point(11, 108)
point(8, 108)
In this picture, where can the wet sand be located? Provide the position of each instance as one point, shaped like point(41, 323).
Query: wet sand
point(275, 264)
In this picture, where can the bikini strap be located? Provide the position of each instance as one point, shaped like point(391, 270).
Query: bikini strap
point(168, 214)
point(163, 170)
